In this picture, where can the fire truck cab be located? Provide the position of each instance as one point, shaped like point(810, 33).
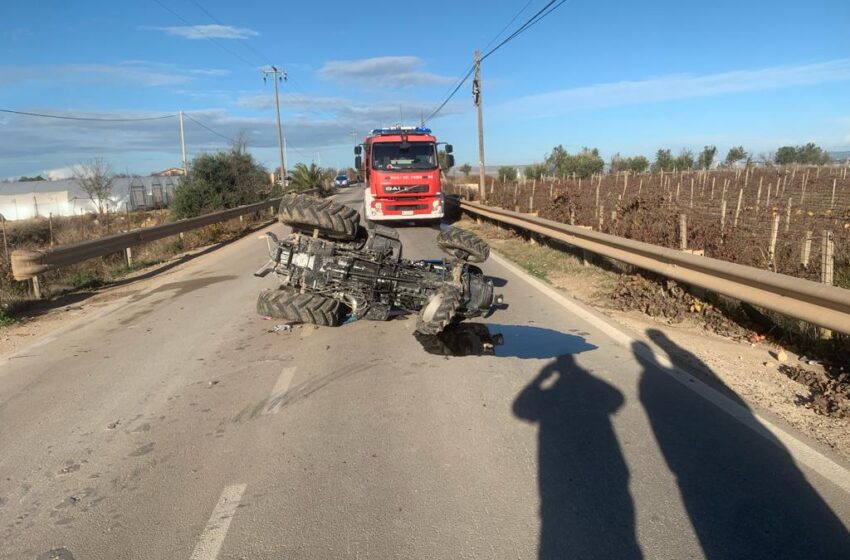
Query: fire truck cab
point(402, 171)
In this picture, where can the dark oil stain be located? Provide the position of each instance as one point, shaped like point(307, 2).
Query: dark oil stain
point(143, 450)
point(186, 286)
point(142, 428)
point(56, 554)
point(71, 467)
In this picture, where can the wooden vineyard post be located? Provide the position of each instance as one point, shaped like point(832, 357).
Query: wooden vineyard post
point(788, 216)
point(803, 189)
point(691, 205)
point(678, 186)
point(533, 190)
point(832, 200)
point(516, 194)
point(640, 185)
point(598, 211)
point(767, 198)
point(712, 188)
point(551, 187)
point(722, 217)
point(50, 222)
point(826, 256)
point(683, 231)
point(758, 194)
point(806, 250)
point(738, 207)
point(771, 251)
point(601, 216)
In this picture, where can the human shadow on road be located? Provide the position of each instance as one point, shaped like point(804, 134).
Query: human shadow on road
point(742, 490)
point(586, 510)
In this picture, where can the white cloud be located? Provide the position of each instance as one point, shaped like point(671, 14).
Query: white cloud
point(209, 72)
point(125, 73)
point(351, 114)
point(209, 31)
point(678, 86)
point(398, 71)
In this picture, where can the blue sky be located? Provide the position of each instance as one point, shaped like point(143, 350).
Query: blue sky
point(626, 77)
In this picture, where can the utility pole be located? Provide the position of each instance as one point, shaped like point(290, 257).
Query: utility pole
point(278, 76)
point(183, 145)
point(476, 98)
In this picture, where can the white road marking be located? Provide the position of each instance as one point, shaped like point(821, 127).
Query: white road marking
point(800, 450)
point(279, 391)
point(216, 529)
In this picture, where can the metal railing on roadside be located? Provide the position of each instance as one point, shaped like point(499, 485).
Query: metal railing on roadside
point(820, 304)
point(27, 264)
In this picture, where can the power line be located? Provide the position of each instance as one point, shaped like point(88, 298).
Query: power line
point(220, 45)
point(202, 125)
point(244, 43)
point(540, 14)
point(513, 19)
point(465, 74)
point(527, 25)
point(452, 94)
point(95, 119)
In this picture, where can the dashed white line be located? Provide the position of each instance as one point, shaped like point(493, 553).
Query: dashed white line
point(279, 391)
point(215, 531)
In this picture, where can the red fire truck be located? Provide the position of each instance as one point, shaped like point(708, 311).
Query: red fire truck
point(402, 173)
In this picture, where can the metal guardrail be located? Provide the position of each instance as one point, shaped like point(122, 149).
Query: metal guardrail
point(29, 264)
point(820, 304)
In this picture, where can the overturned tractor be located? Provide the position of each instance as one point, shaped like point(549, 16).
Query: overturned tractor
point(331, 268)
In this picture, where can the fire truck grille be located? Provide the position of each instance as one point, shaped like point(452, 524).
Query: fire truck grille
point(397, 207)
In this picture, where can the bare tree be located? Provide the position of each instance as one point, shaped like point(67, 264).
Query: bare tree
point(95, 178)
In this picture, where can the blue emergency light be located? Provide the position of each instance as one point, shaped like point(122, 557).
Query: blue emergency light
point(400, 130)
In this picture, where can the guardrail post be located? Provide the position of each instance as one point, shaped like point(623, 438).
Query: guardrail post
point(5, 241)
point(36, 287)
point(128, 253)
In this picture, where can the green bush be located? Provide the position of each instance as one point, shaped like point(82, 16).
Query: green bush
point(218, 181)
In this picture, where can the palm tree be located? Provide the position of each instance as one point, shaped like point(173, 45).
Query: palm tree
point(304, 178)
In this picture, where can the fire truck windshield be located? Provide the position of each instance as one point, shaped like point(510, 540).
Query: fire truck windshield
point(404, 155)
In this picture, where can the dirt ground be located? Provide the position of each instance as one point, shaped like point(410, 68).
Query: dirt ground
point(765, 376)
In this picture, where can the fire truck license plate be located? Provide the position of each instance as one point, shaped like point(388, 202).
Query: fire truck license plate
point(407, 212)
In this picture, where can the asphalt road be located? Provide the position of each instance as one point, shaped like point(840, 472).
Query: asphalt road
point(180, 425)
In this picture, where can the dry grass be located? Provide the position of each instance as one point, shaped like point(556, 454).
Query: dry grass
point(38, 233)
